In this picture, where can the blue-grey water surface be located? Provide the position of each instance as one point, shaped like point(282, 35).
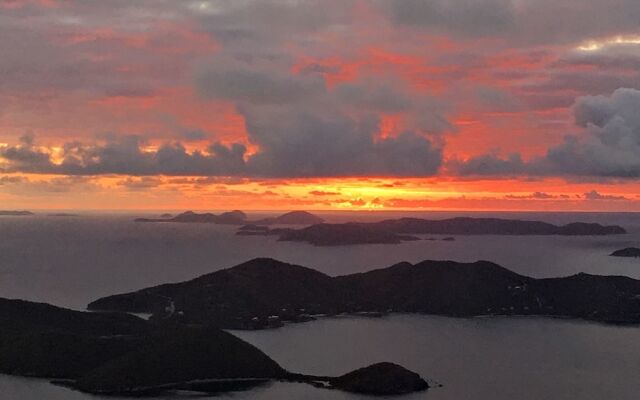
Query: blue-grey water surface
point(69, 261)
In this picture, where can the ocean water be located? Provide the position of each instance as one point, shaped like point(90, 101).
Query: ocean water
point(69, 261)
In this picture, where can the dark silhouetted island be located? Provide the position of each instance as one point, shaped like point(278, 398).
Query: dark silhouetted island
point(265, 293)
point(342, 235)
point(291, 218)
point(14, 213)
point(628, 252)
point(120, 354)
point(235, 217)
point(38, 339)
point(395, 231)
point(381, 379)
point(493, 226)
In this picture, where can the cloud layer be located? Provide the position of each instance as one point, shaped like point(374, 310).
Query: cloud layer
point(321, 88)
point(307, 147)
point(608, 146)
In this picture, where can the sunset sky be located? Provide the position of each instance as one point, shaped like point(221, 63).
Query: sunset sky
point(294, 104)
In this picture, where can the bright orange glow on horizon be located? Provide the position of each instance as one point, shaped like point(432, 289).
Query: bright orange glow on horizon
point(201, 193)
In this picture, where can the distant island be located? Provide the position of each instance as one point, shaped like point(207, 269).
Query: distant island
point(633, 252)
point(291, 218)
point(15, 213)
point(381, 379)
point(62, 215)
point(394, 231)
point(265, 293)
point(237, 217)
point(119, 354)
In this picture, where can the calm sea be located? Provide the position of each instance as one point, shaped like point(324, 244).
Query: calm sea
point(69, 261)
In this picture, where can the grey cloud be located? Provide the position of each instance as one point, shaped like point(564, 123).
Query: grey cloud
point(516, 21)
point(24, 157)
point(268, 83)
point(258, 23)
point(271, 85)
point(62, 184)
point(8, 179)
point(263, 23)
point(547, 100)
point(373, 95)
point(303, 128)
point(497, 100)
point(408, 154)
point(315, 68)
point(142, 183)
point(465, 17)
point(129, 91)
point(609, 145)
point(125, 155)
point(537, 196)
point(617, 57)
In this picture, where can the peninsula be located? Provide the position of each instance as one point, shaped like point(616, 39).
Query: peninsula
point(120, 354)
point(633, 252)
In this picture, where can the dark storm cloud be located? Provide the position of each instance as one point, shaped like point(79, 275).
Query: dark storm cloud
point(374, 95)
point(124, 155)
point(252, 26)
point(610, 145)
point(269, 86)
point(596, 82)
point(304, 128)
point(24, 157)
point(305, 145)
point(496, 100)
point(311, 142)
point(299, 124)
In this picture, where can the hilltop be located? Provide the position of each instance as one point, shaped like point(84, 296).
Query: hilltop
point(264, 293)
